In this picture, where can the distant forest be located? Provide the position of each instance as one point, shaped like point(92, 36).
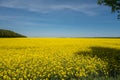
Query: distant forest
point(9, 34)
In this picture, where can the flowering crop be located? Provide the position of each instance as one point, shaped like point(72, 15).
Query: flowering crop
point(52, 58)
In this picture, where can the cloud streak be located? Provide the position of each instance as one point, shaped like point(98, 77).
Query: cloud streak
point(43, 6)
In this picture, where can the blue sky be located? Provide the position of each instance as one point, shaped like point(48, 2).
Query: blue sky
point(58, 18)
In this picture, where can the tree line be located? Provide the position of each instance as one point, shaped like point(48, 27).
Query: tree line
point(9, 34)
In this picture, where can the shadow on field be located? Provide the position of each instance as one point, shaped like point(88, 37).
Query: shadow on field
point(110, 55)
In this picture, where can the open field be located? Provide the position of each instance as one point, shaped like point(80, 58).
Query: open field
point(59, 58)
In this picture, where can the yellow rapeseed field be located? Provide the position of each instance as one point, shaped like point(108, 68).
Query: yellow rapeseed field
point(57, 58)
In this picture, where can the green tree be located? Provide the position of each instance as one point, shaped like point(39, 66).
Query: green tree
point(114, 4)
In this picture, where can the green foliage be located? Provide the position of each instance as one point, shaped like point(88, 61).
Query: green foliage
point(9, 34)
point(114, 4)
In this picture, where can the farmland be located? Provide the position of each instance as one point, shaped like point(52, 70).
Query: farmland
point(59, 58)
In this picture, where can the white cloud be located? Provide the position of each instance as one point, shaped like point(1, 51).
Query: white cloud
point(44, 7)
